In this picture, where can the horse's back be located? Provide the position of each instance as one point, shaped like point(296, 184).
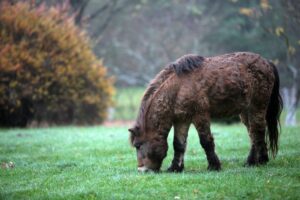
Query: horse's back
point(246, 58)
point(226, 85)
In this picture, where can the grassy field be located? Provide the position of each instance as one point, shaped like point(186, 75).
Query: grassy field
point(98, 163)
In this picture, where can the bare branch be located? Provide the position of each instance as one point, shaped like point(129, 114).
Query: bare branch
point(96, 13)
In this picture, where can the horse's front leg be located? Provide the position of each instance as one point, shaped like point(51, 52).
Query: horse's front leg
point(202, 125)
point(179, 145)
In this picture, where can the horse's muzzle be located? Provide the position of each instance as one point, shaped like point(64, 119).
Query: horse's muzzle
point(144, 169)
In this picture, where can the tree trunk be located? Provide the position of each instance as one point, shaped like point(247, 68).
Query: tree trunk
point(291, 99)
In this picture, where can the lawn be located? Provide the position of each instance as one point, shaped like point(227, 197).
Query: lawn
point(97, 163)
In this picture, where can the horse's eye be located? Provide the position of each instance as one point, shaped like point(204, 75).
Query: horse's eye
point(138, 145)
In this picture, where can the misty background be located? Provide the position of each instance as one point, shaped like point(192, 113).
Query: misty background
point(135, 39)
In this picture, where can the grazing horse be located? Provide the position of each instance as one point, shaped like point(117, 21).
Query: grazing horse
point(195, 89)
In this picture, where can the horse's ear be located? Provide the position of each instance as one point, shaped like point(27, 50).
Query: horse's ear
point(134, 130)
point(131, 130)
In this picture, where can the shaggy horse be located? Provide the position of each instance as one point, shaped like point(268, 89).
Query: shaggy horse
point(195, 89)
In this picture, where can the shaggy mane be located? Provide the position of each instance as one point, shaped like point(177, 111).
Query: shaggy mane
point(187, 63)
point(150, 91)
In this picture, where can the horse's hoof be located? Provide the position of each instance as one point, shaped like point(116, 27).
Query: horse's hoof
point(263, 159)
point(246, 164)
point(250, 164)
point(263, 162)
point(214, 167)
point(175, 168)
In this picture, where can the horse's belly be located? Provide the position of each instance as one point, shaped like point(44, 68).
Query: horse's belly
point(227, 109)
point(228, 104)
point(229, 95)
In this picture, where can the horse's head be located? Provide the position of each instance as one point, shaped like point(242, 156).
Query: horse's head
point(151, 149)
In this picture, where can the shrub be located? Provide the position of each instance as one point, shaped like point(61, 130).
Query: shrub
point(48, 71)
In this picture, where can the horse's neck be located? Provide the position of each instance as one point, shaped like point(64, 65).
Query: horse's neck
point(160, 114)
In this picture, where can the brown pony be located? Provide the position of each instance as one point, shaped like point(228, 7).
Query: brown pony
point(195, 89)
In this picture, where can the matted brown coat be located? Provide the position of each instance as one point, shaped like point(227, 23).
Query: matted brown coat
point(195, 89)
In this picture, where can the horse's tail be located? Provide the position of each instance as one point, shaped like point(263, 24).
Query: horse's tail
point(273, 114)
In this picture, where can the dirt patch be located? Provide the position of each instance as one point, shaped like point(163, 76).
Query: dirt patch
point(7, 165)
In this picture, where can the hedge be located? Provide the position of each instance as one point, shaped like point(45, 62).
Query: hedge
point(48, 71)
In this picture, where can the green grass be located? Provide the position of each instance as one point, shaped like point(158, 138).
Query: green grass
point(98, 163)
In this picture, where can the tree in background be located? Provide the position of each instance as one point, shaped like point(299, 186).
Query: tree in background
point(290, 34)
point(280, 21)
point(150, 35)
point(48, 70)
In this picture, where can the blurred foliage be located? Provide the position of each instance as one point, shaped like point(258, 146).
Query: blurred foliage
point(241, 26)
point(153, 33)
point(138, 38)
point(48, 71)
point(127, 102)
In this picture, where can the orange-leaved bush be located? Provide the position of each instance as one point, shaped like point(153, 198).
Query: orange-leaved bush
point(48, 72)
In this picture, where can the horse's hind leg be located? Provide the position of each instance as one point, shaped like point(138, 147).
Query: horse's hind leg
point(179, 145)
point(258, 132)
point(207, 142)
point(252, 157)
point(256, 128)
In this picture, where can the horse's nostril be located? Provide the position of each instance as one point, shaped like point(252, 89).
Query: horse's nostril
point(143, 169)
